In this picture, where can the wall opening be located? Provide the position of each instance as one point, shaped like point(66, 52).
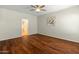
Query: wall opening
point(24, 27)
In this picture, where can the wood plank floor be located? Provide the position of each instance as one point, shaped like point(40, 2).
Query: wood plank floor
point(38, 44)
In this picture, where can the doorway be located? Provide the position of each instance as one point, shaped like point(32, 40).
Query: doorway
point(25, 27)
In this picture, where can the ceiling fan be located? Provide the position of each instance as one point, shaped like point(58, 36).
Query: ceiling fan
point(38, 8)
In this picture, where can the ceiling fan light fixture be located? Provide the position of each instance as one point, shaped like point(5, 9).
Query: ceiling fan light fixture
point(38, 10)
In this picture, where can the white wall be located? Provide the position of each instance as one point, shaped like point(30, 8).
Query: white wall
point(10, 23)
point(66, 25)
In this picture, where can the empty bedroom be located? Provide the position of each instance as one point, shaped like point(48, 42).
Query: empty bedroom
point(39, 29)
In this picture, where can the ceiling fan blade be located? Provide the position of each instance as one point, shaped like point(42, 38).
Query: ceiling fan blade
point(35, 6)
point(42, 6)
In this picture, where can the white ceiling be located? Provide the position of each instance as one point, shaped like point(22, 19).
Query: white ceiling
point(27, 8)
